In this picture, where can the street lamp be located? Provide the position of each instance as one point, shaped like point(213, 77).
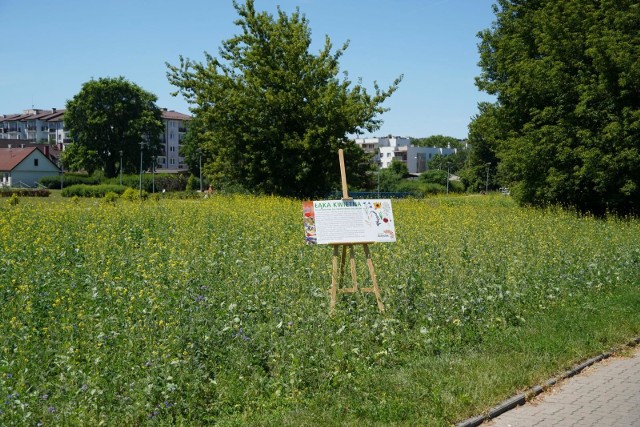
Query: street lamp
point(200, 166)
point(378, 165)
point(142, 144)
point(153, 175)
point(61, 173)
point(448, 175)
point(486, 186)
point(120, 167)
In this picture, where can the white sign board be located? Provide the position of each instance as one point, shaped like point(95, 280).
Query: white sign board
point(352, 221)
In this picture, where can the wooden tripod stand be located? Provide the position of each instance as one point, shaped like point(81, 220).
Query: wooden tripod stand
point(337, 278)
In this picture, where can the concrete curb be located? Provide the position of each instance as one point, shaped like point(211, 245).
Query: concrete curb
point(521, 399)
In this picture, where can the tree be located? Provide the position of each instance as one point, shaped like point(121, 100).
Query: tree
point(485, 132)
point(454, 162)
point(437, 141)
point(567, 80)
point(110, 115)
point(392, 177)
point(269, 115)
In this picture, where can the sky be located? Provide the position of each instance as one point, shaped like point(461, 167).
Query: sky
point(50, 48)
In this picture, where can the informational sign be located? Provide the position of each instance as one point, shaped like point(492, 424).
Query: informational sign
point(348, 221)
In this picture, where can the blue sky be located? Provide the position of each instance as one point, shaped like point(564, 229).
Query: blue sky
point(51, 48)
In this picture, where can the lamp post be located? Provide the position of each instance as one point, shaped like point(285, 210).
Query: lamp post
point(486, 186)
point(142, 144)
point(61, 173)
point(153, 175)
point(200, 166)
point(120, 167)
point(448, 175)
point(378, 165)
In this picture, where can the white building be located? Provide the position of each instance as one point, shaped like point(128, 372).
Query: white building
point(390, 148)
point(175, 127)
point(37, 126)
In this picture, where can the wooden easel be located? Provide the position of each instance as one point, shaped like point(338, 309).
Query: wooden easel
point(335, 279)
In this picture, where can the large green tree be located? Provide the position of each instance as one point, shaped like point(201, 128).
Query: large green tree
point(269, 115)
point(110, 115)
point(566, 75)
point(438, 141)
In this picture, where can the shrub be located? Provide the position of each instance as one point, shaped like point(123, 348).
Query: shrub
point(132, 194)
point(163, 181)
point(25, 192)
point(83, 190)
point(13, 200)
point(111, 198)
point(193, 183)
point(69, 179)
point(434, 176)
point(456, 187)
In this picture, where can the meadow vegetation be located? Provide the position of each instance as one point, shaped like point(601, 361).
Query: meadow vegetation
point(213, 311)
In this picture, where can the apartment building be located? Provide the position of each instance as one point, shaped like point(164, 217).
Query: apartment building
point(175, 127)
point(389, 148)
point(35, 126)
point(38, 126)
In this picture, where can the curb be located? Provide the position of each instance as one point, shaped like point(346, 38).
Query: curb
point(521, 399)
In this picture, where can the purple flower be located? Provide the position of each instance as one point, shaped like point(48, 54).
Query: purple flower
point(44, 396)
point(51, 409)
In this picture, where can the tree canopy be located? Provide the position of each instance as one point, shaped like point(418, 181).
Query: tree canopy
point(269, 115)
point(107, 116)
point(438, 141)
point(566, 124)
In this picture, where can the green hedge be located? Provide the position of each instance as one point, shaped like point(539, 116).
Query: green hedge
point(69, 179)
point(82, 190)
point(24, 192)
point(163, 181)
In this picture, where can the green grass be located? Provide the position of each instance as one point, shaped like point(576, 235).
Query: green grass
point(195, 312)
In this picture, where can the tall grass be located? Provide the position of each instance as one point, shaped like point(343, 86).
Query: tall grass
point(213, 311)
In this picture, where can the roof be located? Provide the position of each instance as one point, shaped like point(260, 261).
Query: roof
point(8, 117)
point(174, 115)
point(40, 115)
point(12, 157)
point(58, 115)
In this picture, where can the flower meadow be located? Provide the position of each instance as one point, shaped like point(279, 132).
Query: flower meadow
point(215, 312)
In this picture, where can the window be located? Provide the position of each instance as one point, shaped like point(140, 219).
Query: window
point(35, 162)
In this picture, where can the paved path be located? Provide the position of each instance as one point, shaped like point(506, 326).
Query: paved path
point(606, 394)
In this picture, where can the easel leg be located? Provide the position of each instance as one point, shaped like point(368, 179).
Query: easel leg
point(354, 275)
point(374, 281)
point(334, 278)
point(343, 259)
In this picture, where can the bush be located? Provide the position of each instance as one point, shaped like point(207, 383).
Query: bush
point(83, 190)
point(25, 192)
point(193, 183)
point(111, 198)
point(69, 179)
point(164, 181)
point(132, 195)
point(457, 187)
point(434, 176)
